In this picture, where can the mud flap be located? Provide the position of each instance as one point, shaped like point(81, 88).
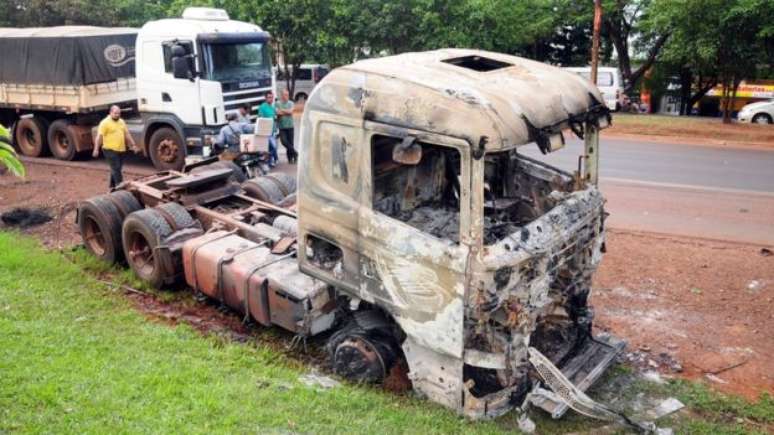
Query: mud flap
point(568, 385)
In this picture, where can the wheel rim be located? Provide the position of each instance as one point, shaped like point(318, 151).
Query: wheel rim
point(167, 150)
point(358, 360)
point(93, 237)
point(61, 142)
point(140, 254)
point(28, 140)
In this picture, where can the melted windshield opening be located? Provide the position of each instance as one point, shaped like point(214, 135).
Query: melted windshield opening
point(518, 190)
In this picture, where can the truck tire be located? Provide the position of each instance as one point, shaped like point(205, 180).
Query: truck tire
point(126, 203)
point(99, 222)
point(286, 182)
point(31, 136)
point(61, 140)
point(238, 175)
point(178, 214)
point(167, 150)
point(264, 189)
point(143, 234)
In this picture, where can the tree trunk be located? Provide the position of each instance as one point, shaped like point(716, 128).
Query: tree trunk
point(727, 84)
point(686, 80)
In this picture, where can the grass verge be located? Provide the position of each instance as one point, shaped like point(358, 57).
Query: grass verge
point(76, 357)
point(711, 130)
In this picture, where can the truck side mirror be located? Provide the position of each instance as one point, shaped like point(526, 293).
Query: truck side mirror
point(408, 152)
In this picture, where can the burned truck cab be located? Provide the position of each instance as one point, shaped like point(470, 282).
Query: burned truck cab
point(471, 260)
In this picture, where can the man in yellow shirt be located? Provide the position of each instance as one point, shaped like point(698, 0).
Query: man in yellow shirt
point(112, 136)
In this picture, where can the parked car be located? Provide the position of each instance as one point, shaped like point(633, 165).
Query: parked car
point(609, 82)
point(761, 112)
point(308, 76)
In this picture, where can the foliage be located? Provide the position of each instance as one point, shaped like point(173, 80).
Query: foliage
point(716, 41)
point(8, 157)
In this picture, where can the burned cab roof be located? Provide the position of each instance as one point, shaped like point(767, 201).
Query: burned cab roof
point(470, 94)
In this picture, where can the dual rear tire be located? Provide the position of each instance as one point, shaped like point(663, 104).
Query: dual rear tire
point(272, 188)
point(99, 221)
point(145, 235)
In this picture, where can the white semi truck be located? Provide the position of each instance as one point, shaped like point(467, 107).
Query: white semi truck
point(175, 80)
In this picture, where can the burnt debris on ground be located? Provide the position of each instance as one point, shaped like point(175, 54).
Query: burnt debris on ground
point(25, 217)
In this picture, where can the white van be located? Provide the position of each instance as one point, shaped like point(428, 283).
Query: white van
point(609, 82)
point(308, 76)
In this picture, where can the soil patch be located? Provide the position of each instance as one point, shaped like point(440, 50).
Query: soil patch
point(691, 307)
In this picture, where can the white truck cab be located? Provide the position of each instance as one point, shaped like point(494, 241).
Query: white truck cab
point(191, 71)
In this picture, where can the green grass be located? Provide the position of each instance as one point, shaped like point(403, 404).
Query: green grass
point(75, 357)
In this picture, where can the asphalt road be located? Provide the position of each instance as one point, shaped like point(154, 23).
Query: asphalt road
point(692, 190)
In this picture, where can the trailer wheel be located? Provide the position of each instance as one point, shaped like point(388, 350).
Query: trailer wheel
point(237, 174)
point(143, 234)
point(61, 140)
point(99, 222)
point(31, 136)
point(167, 149)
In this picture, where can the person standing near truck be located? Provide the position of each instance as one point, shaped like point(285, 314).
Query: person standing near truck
point(112, 137)
point(285, 120)
point(267, 110)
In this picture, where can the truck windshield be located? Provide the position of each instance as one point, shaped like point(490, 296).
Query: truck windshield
point(238, 61)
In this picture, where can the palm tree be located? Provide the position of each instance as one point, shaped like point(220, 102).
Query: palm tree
point(8, 157)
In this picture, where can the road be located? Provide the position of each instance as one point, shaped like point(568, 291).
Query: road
point(700, 191)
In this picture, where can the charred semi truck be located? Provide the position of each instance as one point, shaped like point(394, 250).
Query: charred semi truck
point(174, 79)
point(418, 231)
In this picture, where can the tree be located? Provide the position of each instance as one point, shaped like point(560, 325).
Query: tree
point(622, 25)
point(715, 42)
point(295, 25)
point(8, 157)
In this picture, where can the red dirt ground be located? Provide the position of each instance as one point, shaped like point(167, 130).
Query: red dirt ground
point(705, 305)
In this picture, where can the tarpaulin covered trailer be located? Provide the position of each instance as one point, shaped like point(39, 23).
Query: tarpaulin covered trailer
point(73, 69)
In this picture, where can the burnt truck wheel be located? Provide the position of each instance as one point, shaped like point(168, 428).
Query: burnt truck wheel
point(362, 358)
point(99, 222)
point(167, 149)
point(31, 136)
point(143, 233)
point(61, 140)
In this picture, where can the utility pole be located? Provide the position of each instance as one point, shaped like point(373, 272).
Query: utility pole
point(595, 41)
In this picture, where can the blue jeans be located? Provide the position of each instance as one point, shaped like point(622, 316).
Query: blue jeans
point(273, 157)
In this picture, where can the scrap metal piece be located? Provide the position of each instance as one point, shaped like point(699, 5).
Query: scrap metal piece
point(577, 399)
